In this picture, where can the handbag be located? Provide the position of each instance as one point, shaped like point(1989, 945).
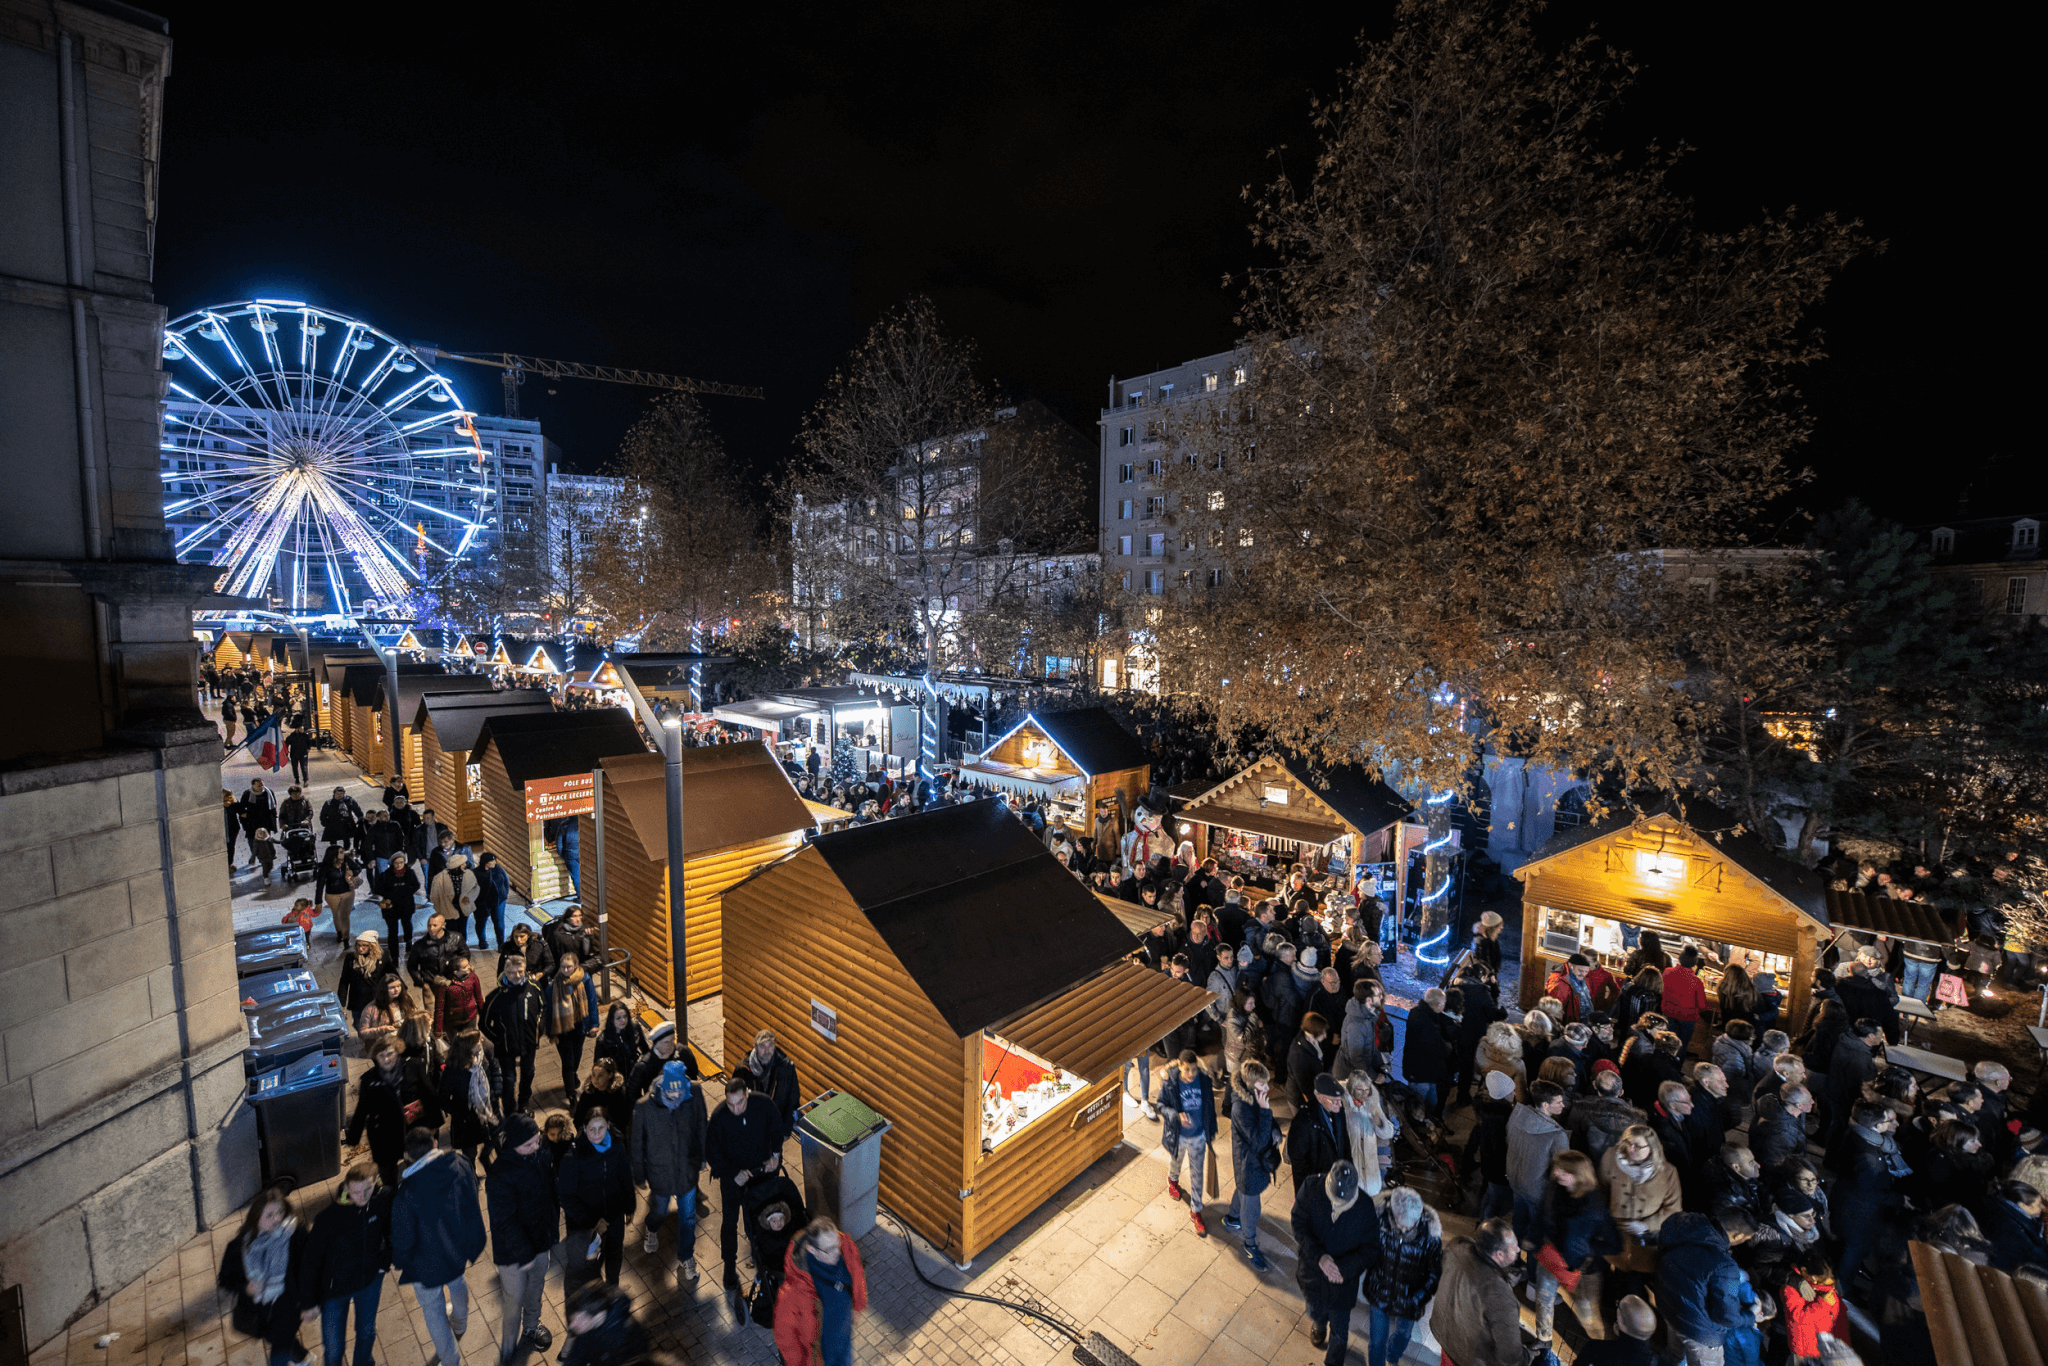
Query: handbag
point(1270, 1158)
point(1553, 1261)
point(1210, 1188)
point(761, 1299)
point(1951, 990)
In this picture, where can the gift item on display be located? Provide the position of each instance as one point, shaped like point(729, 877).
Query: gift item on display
point(1017, 1088)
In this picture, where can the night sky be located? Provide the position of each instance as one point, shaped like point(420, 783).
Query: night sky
point(735, 192)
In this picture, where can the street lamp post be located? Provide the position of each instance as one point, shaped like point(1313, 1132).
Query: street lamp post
point(669, 735)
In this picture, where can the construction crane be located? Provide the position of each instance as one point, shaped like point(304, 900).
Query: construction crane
point(516, 368)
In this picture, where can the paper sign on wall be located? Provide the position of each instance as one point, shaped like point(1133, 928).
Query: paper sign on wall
point(825, 1020)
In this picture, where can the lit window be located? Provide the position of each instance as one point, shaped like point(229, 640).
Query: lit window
point(1216, 501)
point(1109, 673)
point(1659, 865)
point(1126, 435)
point(1244, 538)
point(1237, 376)
point(1126, 473)
point(1123, 545)
point(1155, 581)
point(1208, 384)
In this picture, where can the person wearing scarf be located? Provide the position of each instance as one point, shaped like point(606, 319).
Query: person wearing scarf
point(1368, 1130)
point(571, 1016)
point(260, 1266)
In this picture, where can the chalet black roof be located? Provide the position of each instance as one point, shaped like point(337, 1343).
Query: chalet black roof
point(1093, 739)
point(459, 717)
point(981, 915)
point(553, 744)
point(415, 685)
point(1982, 540)
point(362, 682)
point(838, 695)
point(1798, 884)
point(1357, 796)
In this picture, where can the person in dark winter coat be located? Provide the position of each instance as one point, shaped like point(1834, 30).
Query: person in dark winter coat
point(1480, 1011)
point(1867, 993)
point(1700, 1291)
point(1574, 1235)
point(1598, 1120)
point(262, 1266)
point(595, 1186)
point(528, 947)
point(1254, 1154)
point(771, 1226)
point(1401, 1284)
point(1426, 1049)
point(526, 1221)
point(663, 1047)
point(341, 819)
point(1779, 1129)
point(367, 961)
point(1280, 992)
point(335, 882)
point(437, 1230)
point(398, 892)
point(1187, 1125)
point(1854, 1063)
point(1306, 1058)
point(346, 1255)
point(1486, 1150)
point(602, 1329)
point(1735, 1180)
point(514, 1019)
point(622, 1042)
point(493, 890)
point(668, 1153)
point(1315, 1136)
point(1475, 1318)
point(2012, 1224)
point(1337, 1235)
point(471, 1093)
point(391, 1097)
point(742, 1144)
point(768, 1070)
point(1870, 1166)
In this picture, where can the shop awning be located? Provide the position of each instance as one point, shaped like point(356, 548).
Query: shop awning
point(1266, 822)
point(1978, 1315)
point(1027, 782)
point(1914, 920)
point(1138, 918)
point(760, 715)
point(1092, 1029)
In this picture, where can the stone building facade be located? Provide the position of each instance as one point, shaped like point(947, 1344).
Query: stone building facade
point(122, 1127)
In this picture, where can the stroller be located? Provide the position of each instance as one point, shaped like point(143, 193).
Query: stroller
point(301, 853)
point(1423, 1156)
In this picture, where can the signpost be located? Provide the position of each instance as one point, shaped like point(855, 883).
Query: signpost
point(573, 794)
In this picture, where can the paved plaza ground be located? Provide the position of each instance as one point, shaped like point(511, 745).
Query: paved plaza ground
point(1109, 1253)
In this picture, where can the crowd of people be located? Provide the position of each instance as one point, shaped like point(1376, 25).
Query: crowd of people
point(1691, 1174)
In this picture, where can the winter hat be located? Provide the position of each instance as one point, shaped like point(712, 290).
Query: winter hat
point(1606, 1065)
point(1577, 1035)
point(662, 1031)
point(1499, 1086)
point(1635, 1317)
point(1793, 1200)
point(1308, 956)
point(675, 1083)
point(1340, 1183)
point(1327, 1085)
point(1490, 920)
point(518, 1128)
point(370, 935)
point(458, 860)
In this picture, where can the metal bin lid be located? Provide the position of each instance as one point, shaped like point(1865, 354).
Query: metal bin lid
point(839, 1121)
point(309, 1073)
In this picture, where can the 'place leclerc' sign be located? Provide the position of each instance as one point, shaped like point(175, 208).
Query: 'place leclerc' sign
point(547, 798)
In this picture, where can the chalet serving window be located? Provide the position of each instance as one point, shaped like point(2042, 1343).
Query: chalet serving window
point(1018, 1087)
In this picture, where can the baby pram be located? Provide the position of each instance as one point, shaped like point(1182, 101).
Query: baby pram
point(1423, 1158)
point(301, 853)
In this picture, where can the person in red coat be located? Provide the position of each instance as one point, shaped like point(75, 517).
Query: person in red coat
point(458, 1002)
point(1583, 986)
point(823, 1287)
point(1684, 997)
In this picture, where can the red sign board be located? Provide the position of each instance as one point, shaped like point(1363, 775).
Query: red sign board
point(547, 798)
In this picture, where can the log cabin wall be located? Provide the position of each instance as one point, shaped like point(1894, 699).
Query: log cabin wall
point(536, 872)
point(792, 933)
point(439, 776)
point(635, 898)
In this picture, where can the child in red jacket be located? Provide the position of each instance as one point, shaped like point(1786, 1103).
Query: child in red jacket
point(1812, 1304)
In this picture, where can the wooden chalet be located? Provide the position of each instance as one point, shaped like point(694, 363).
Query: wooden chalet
point(361, 734)
point(739, 812)
point(448, 724)
point(1081, 760)
point(1687, 875)
point(1281, 810)
point(945, 969)
point(416, 681)
point(521, 750)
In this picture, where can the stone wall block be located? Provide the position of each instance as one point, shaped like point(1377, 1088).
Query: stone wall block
point(60, 924)
point(138, 798)
point(36, 1191)
point(54, 1270)
point(203, 882)
point(79, 1027)
point(111, 855)
point(76, 1082)
point(195, 787)
point(29, 991)
point(146, 898)
point(17, 1111)
point(130, 1223)
point(104, 963)
point(205, 926)
point(196, 835)
point(230, 1164)
point(26, 877)
point(61, 813)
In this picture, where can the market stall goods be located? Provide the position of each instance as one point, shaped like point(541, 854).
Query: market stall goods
point(1278, 812)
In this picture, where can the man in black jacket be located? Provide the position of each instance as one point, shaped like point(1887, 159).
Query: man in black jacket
point(667, 1047)
point(768, 1070)
point(525, 1219)
point(1779, 1130)
point(346, 1256)
point(1867, 993)
point(257, 808)
point(567, 935)
point(341, 819)
point(431, 959)
point(1426, 1051)
point(1337, 1234)
point(740, 1146)
point(1854, 1063)
point(1315, 1136)
point(512, 1022)
point(437, 1230)
point(1870, 1166)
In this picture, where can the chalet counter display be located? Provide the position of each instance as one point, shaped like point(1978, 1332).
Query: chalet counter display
point(1279, 812)
point(1083, 762)
point(1690, 877)
point(948, 970)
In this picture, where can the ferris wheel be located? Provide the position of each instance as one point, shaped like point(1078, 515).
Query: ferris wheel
point(321, 463)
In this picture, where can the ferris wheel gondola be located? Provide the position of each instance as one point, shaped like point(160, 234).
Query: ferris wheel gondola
point(320, 462)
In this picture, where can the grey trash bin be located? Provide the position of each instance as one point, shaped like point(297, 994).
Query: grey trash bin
point(268, 988)
point(293, 1027)
point(296, 1108)
point(262, 951)
point(841, 1140)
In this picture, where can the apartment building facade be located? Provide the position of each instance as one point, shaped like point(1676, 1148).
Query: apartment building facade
point(1994, 561)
